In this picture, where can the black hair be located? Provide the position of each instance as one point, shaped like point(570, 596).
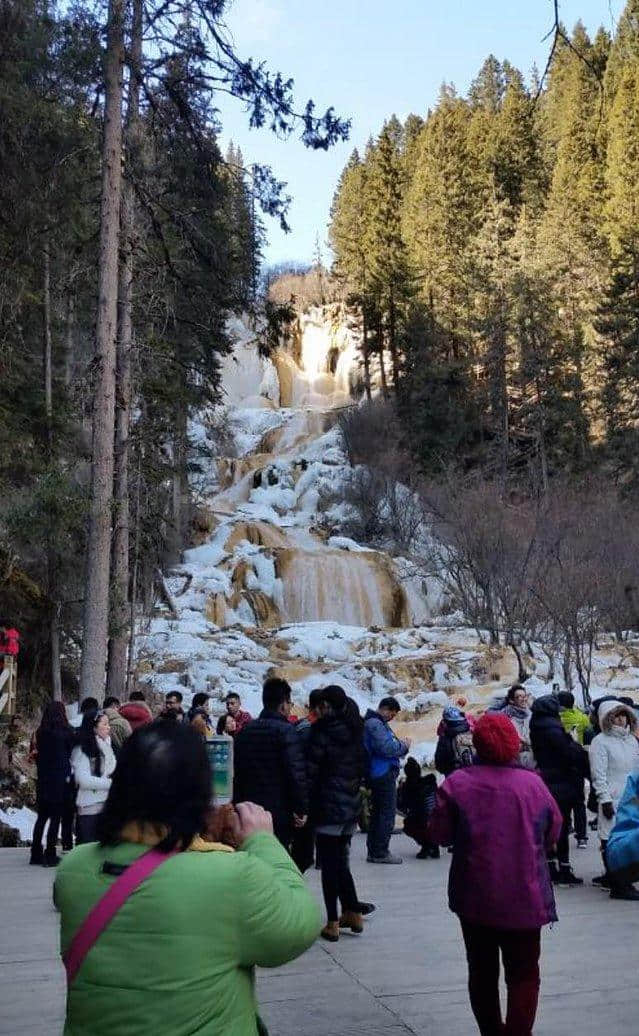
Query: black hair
point(391, 704)
point(136, 696)
point(89, 705)
point(513, 690)
point(174, 694)
point(221, 724)
point(412, 769)
point(111, 701)
point(315, 698)
point(344, 707)
point(275, 692)
point(199, 700)
point(566, 699)
point(88, 741)
point(163, 777)
point(232, 696)
point(54, 717)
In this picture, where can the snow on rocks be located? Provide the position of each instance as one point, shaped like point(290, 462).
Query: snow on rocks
point(274, 512)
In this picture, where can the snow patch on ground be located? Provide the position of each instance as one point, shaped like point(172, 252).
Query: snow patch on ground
point(22, 818)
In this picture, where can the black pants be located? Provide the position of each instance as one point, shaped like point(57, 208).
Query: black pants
point(52, 814)
point(581, 824)
point(68, 817)
point(562, 853)
point(85, 827)
point(337, 880)
point(520, 953)
point(303, 847)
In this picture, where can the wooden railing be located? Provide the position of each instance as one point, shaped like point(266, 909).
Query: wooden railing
point(8, 682)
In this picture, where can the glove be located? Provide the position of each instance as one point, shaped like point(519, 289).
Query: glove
point(608, 810)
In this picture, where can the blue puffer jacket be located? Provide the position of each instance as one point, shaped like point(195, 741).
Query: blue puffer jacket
point(384, 749)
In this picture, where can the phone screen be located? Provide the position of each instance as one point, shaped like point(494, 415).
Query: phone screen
point(220, 749)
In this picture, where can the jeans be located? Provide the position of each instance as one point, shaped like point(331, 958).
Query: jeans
point(337, 880)
point(383, 811)
point(520, 952)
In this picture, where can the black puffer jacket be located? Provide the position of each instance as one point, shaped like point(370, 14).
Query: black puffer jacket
point(562, 762)
point(336, 764)
point(270, 769)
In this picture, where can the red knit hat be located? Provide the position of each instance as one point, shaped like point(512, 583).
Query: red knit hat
point(496, 739)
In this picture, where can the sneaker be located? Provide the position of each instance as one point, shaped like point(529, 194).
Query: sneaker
point(602, 881)
point(389, 858)
point(567, 879)
point(423, 854)
point(582, 843)
point(628, 892)
point(365, 908)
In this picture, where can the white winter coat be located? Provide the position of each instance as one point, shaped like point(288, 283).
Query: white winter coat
point(520, 718)
point(614, 755)
point(92, 790)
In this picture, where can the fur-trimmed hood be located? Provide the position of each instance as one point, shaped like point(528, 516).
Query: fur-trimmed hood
point(608, 708)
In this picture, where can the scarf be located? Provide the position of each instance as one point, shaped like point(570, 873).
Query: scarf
point(149, 834)
point(618, 731)
point(517, 712)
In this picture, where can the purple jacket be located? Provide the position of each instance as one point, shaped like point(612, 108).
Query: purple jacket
point(500, 820)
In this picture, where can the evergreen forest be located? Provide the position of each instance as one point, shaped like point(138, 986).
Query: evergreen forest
point(127, 238)
point(492, 247)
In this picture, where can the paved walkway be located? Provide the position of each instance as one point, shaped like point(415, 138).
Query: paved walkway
point(405, 974)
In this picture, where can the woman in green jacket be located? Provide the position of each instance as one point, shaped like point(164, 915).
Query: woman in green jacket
point(178, 956)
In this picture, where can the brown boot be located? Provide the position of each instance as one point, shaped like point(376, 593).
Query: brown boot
point(350, 919)
point(330, 931)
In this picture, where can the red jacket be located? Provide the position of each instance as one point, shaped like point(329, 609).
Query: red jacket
point(10, 642)
point(241, 719)
point(137, 712)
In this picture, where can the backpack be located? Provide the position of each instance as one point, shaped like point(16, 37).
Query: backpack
point(462, 745)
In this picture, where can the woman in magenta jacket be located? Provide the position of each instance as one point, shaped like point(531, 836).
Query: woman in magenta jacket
point(500, 820)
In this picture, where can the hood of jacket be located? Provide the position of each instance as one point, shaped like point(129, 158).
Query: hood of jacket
point(546, 706)
point(373, 714)
point(606, 710)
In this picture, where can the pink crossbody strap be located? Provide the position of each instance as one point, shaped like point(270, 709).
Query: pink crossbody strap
point(107, 907)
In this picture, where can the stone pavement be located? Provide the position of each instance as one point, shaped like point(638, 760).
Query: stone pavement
point(405, 974)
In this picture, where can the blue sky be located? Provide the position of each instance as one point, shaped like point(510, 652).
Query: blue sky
point(370, 58)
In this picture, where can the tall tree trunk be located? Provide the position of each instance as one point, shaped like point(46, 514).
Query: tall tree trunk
point(69, 338)
point(380, 347)
point(52, 568)
point(541, 431)
point(96, 596)
point(392, 339)
point(134, 579)
point(366, 356)
point(118, 642)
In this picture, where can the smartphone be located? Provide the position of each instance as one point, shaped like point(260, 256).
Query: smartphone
point(220, 750)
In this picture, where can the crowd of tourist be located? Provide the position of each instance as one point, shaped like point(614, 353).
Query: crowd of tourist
point(511, 793)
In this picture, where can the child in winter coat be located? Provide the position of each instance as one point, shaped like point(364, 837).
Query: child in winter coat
point(455, 743)
point(416, 801)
